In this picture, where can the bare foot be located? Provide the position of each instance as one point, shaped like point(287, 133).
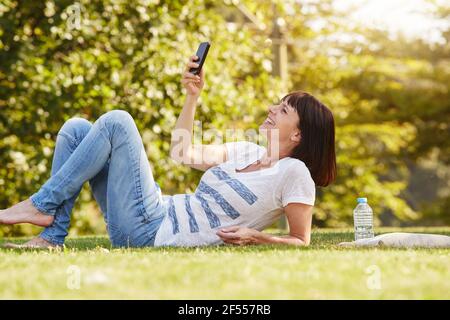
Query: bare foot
point(35, 243)
point(25, 212)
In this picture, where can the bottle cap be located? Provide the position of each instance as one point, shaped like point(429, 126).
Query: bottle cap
point(362, 200)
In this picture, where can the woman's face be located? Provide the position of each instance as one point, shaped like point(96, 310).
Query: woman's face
point(284, 118)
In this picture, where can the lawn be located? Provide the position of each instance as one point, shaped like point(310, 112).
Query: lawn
point(89, 268)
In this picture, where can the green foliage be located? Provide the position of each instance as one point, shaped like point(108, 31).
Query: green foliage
point(124, 55)
point(391, 104)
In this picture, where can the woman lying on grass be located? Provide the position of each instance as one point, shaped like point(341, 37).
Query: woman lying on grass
point(245, 187)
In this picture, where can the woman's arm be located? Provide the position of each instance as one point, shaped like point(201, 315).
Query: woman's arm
point(299, 217)
point(182, 150)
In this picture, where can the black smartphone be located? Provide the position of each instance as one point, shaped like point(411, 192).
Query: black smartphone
point(202, 52)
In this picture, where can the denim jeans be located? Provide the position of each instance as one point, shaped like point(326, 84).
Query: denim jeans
point(111, 156)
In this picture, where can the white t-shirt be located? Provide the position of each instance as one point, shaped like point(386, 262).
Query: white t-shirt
point(226, 198)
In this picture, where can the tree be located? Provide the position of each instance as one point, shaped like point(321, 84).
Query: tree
point(121, 55)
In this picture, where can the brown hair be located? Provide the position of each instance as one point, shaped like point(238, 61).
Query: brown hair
point(316, 147)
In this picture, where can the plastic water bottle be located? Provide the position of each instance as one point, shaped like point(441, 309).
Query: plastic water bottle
point(363, 220)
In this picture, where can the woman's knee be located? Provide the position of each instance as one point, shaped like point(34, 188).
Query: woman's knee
point(117, 116)
point(76, 127)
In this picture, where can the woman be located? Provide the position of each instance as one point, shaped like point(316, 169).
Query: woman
point(245, 188)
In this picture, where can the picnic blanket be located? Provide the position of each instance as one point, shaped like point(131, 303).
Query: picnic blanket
point(402, 240)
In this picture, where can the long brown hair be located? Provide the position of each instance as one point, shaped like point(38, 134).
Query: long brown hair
point(316, 147)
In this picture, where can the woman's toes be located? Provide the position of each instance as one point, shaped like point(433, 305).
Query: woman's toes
point(39, 242)
point(35, 243)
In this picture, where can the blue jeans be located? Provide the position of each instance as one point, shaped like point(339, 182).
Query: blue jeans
point(111, 156)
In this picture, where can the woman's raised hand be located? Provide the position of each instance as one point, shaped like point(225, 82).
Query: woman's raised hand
point(193, 83)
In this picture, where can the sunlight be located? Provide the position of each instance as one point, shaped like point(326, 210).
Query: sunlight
point(408, 17)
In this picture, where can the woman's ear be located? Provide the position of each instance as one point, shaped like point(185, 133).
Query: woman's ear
point(296, 137)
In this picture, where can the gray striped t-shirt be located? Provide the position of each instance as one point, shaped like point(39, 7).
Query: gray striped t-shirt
point(226, 198)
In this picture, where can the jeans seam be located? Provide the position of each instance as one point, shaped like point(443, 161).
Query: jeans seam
point(73, 142)
point(142, 212)
point(39, 207)
point(72, 169)
point(66, 135)
point(49, 233)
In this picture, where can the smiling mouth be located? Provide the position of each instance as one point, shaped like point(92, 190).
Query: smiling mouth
point(269, 121)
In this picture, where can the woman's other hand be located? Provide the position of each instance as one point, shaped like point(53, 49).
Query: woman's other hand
point(238, 235)
point(193, 83)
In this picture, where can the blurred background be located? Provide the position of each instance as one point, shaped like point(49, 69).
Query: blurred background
point(381, 66)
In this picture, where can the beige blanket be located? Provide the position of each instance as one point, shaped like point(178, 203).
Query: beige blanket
point(402, 240)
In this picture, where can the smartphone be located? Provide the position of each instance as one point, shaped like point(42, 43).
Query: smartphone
point(202, 52)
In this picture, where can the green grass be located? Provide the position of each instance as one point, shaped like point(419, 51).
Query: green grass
point(321, 271)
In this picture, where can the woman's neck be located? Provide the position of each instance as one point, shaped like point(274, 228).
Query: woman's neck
point(274, 154)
